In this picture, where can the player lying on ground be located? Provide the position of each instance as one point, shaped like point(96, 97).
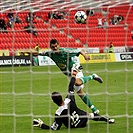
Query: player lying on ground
point(68, 113)
point(65, 60)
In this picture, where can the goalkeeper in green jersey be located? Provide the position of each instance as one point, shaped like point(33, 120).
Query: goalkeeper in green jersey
point(65, 60)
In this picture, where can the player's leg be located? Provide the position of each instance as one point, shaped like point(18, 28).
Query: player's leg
point(84, 79)
point(79, 89)
point(86, 100)
point(77, 71)
point(80, 80)
point(97, 117)
point(90, 77)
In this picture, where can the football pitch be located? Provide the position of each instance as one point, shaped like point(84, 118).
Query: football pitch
point(25, 95)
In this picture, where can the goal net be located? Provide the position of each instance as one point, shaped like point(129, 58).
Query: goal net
point(27, 80)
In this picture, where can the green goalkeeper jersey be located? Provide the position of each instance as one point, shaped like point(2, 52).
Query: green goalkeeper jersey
point(63, 59)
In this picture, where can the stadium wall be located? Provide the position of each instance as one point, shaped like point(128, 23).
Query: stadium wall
point(94, 58)
point(15, 60)
point(44, 60)
point(108, 57)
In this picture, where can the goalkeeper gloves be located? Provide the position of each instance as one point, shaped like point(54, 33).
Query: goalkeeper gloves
point(37, 122)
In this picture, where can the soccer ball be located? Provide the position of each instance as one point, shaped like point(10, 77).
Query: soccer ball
point(80, 17)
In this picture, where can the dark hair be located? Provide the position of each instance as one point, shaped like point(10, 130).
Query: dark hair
point(53, 41)
point(57, 98)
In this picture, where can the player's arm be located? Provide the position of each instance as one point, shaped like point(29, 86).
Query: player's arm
point(39, 123)
point(41, 53)
point(45, 53)
point(55, 126)
point(86, 57)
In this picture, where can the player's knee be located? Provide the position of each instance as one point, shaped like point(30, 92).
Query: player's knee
point(80, 93)
point(78, 82)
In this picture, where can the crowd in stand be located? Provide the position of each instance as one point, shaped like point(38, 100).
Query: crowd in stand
point(13, 18)
point(30, 28)
point(57, 15)
point(116, 19)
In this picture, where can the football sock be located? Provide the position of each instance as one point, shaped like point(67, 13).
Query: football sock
point(71, 84)
point(85, 98)
point(86, 79)
point(87, 101)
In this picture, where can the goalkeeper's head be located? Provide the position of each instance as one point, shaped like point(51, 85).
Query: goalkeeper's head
point(57, 98)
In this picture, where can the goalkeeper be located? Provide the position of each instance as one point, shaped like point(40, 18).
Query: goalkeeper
point(68, 113)
point(65, 60)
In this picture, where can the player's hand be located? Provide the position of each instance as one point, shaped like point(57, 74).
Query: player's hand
point(37, 122)
point(87, 57)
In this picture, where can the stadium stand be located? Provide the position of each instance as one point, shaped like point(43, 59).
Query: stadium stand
point(69, 33)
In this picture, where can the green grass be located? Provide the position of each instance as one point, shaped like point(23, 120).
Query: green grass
point(25, 94)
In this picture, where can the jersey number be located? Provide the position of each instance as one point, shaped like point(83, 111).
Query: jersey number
point(75, 119)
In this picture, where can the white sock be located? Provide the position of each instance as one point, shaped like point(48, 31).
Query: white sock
point(91, 115)
point(92, 106)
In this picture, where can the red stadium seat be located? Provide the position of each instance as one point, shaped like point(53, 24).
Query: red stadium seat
point(89, 34)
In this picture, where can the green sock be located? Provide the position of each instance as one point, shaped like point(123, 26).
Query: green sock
point(86, 79)
point(87, 101)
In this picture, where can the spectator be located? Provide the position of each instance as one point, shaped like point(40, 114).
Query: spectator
point(10, 24)
point(10, 14)
point(111, 21)
point(3, 26)
point(56, 15)
point(120, 18)
point(37, 47)
point(17, 19)
point(63, 14)
point(105, 24)
point(90, 12)
point(35, 57)
point(12, 18)
point(111, 48)
point(30, 17)
point(31, 29)
point(50, 15)
point(116, 19)
point(99, 22)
